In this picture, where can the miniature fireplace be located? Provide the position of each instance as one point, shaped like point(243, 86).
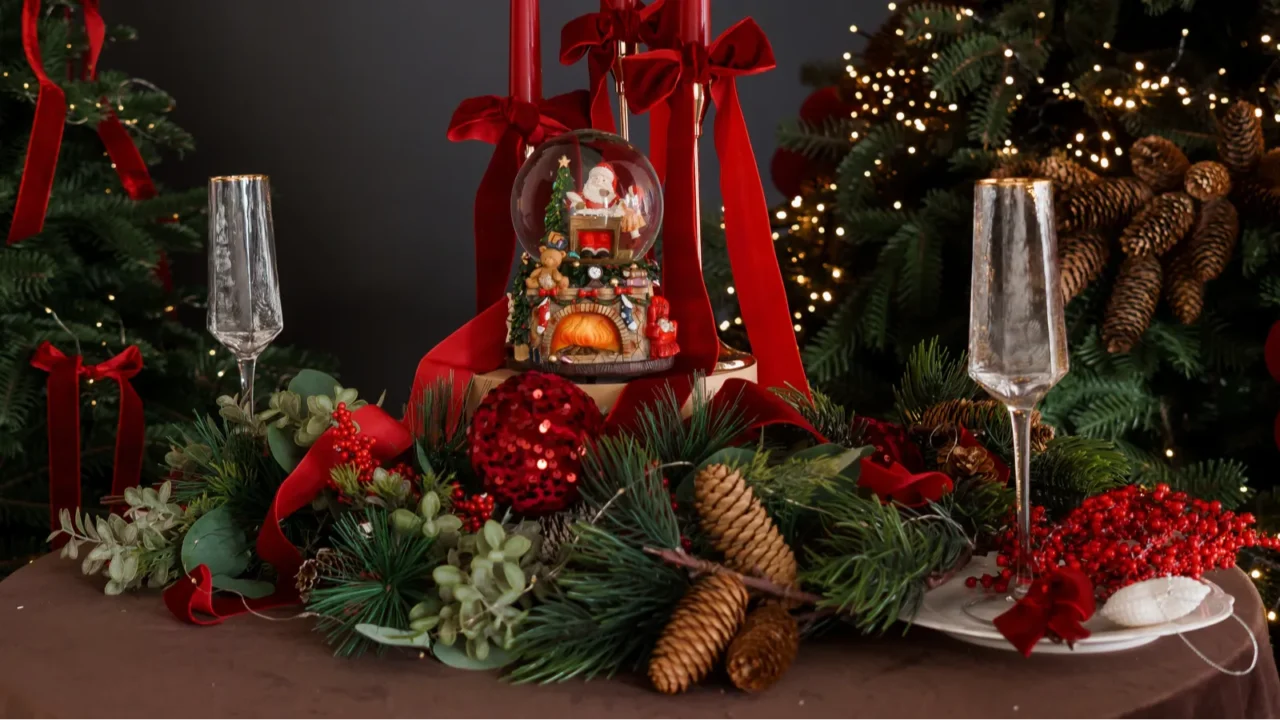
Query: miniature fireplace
point(589, 326)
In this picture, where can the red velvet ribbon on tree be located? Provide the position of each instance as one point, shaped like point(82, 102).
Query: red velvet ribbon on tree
point(1056, 605)
point(596, 35)
point(192, 598)
point(63, 391)
point(653, 77)
point(511, 125)
point(50, 118)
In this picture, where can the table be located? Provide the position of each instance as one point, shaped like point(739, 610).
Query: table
point(67, 650)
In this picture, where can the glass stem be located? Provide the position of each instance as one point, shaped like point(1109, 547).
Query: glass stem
point(247, 367)
point(1021, 420)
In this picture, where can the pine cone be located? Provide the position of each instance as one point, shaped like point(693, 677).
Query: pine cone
point(306, 578)
point(557, 532)
point(1208, 180)
point(699, 630)
point(1183, 290)
point(967, 462)
point(976, 415)
point(1213, 240)
point(1066, 174)
point(1081, 260)
point(1016, 167)
point(764, 649)
point(1159, 226)
point(1103, 204)
point(1240, 141)
point(1158, 163)
point(740, 527)
point(1268, 170)
point(1257, 200)
point(1133, 303)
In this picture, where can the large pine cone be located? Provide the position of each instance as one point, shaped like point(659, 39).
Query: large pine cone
point(1257, 200)
point(1103, 204)
point(1133, 303)
point(703, 624)
point(1081, 259)
point(1158, 163)
point(1208, 180)
point(1183, 290)
point(963, 463)
point(765, 648)
point(1268, 170)
point(1159, 226)
point(1066, 174)
point(1240, 140)
point(1214, 239)
point(739, 526)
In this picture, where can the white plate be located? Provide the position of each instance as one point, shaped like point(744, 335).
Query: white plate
point(943, 610)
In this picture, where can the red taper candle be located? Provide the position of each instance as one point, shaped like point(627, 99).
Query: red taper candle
point(526, 52)
point(695, 21)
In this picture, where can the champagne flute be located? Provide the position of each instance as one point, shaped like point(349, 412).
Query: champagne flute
point(1017, 334)
point(244, 293)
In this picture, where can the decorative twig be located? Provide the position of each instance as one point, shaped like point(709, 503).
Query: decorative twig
point(680, 559)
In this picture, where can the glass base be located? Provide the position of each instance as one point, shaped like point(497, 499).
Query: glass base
point(988, 607)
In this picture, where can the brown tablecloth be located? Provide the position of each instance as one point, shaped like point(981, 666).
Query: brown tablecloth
point(66, 650)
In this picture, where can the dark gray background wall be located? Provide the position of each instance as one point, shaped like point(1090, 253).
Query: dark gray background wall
point(344, 103)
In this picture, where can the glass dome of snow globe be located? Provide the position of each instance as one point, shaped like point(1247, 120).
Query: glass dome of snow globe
point(591, 194)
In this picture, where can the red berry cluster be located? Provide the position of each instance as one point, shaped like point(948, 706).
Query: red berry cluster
point(351, 446)
point(474, 510)
point(1133, 534)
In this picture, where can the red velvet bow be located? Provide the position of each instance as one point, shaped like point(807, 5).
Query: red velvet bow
point(50, 118)
point(1056, 606)
point(652, 80)
point(511, 125)
point(63, 391)
point(596, 35)
point(191, 599)
point(897, 484)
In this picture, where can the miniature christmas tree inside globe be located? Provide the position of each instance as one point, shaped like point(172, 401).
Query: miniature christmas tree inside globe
point(590, 194)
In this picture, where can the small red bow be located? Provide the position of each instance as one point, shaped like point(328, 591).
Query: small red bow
point(898, 484)
point(63, 391)
point(547, 292)
point(623, 290)
point(1056, 605)
point(596, 35)
point(588, 293)
point(512, 125)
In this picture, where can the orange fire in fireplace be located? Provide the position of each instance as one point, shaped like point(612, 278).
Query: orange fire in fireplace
point(586, 330)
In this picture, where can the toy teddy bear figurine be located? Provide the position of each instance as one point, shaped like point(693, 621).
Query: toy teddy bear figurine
point(661, 330)
point(547, 275)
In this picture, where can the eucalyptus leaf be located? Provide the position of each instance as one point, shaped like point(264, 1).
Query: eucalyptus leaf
point(312, 382)
point(216, 542)
point(285, 451)
point(456, 657)
point(394, 636)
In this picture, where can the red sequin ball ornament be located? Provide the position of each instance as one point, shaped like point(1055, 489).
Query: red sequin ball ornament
point(351, 446)
point(527, 439)
point(474, 510)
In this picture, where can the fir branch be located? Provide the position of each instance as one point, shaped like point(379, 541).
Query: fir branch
point(819, 410)
point(622, 482)
point(931, 377)
point(829, 140)
point(671, 438)
point(385, 573)
point(1074, 468)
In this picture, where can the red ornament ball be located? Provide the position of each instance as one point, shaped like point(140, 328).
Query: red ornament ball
point(527, 439)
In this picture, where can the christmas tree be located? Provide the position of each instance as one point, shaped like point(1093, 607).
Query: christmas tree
point(1113, 100)
point(556, 221)
point(96, 279)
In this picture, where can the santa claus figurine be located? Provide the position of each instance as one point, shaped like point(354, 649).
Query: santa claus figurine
point(661, 331)
point(599, 197)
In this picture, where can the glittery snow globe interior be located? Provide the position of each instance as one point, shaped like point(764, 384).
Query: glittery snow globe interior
point(591, 194)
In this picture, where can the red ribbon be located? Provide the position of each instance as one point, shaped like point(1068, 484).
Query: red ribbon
point(896, 483)
point(653, 78)
point(63, 391)
point(596, 36)
point(192, 598)
point(1056, 605)
point(511, 125)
